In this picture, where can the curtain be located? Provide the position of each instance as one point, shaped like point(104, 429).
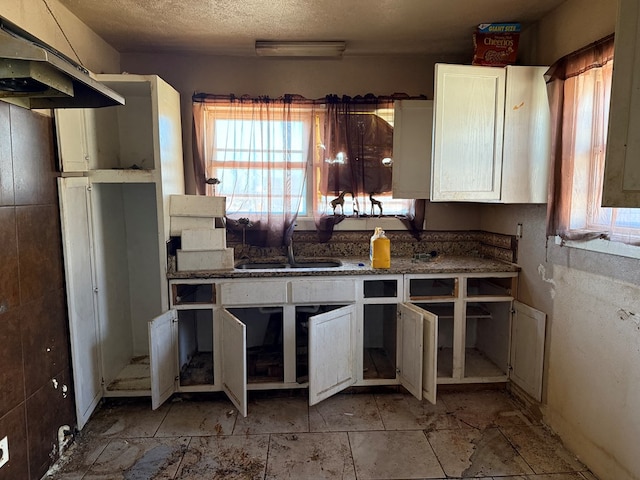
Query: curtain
point(258, 149)
point(354, 142)
point(578, 86)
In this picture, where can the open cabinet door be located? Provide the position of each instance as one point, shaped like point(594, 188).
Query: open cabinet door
point(233, 345)
point(332, 349)
point(528, 327)
point(162, 357)
point(410, 338)
point(430, 356)
point(77, 237)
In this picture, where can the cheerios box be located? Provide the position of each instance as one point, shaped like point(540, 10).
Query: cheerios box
point(496, 44)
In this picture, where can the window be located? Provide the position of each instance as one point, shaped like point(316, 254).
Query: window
point(242, 147)
point(579, 91)
point(258, 150)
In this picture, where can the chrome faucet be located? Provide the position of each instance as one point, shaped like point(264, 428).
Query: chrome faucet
point(291, 259)
point(290, 256)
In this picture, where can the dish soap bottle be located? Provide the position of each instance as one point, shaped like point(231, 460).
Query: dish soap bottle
point(380, 250)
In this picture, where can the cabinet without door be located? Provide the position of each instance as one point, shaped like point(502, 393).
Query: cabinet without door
point(122, 225)
point(491, 134)
point(483, 335)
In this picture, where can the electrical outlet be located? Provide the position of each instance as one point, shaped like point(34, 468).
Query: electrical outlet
point(4, 451)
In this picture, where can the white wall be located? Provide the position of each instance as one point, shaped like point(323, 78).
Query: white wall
point(83, 45)
point(592, 365)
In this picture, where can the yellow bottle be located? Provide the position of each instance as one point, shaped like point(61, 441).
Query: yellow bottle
point(380, 251)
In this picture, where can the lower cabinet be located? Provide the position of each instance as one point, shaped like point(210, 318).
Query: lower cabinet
point(482, 334)
point(329, 333)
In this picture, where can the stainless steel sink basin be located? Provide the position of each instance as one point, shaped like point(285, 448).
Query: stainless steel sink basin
point(261, 266)
point(279, 265)
point(324, 264)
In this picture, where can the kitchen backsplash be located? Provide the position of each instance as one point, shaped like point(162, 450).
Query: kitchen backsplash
point(403, 244)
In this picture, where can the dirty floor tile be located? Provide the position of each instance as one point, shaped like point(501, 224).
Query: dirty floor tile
point(138, 458)
point(476, 453)
point(405, 412)
point(542, 450)
point(225, 458)
point(342, 413)
point(393, 455)
point(198, 418)
point(78, 458)
point(274, 415)
point(315, 456)
point(126, 418)
point(483, 409)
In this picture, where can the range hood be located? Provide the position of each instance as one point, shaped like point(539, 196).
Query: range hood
point(34, 75)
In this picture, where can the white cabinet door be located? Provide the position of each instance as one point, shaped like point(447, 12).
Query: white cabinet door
point(233, 346)
point(162, 357)
point(77, 236)
point(527, 348)
point(412, 133)
point(527, 136)
point(332, 350)
point(75, 144)
point(467, 133)
point(622, 168)
point(410, 348)
point(430, 356)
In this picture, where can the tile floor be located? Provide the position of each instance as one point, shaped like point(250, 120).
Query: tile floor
point(481, 434)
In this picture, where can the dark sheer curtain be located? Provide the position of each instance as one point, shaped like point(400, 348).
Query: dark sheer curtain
point(355, 142)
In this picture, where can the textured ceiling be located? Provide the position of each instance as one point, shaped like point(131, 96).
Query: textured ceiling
point(232, 26)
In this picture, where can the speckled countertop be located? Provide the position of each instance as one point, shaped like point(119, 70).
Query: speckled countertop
point(360, 266)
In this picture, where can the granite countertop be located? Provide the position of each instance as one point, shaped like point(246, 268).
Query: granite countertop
point(360, 266)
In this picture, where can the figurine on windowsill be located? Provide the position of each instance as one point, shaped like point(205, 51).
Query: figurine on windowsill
point(375, 203)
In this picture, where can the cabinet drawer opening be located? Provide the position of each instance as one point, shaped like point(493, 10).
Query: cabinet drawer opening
point(193, 293)
point(432, 288)
point(380, 288)
point(489, 286)
point(195, 347)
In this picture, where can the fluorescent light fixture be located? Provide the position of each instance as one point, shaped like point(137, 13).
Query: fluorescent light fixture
point(299, 49)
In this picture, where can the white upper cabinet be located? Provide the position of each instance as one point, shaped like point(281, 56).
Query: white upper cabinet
point(467, 139)
point(622, 168)
point(491, 136)
point(412, 125)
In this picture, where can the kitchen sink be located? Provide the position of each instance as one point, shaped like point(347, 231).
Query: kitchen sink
point(322, 264)
point(261, 266)
point(279, 265)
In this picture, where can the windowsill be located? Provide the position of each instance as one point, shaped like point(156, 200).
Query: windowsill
point(603, 246)
point(355, 224)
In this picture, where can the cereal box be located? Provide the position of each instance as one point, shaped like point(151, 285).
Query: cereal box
point(496, 44)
